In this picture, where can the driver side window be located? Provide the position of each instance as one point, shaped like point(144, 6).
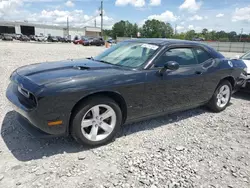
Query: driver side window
point(183, 56)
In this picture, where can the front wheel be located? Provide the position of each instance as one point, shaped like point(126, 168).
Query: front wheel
point(221, 97)
point(96, 121)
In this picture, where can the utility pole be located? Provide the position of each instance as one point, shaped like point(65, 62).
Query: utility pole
point(175, 29)
point(68, 26)
point(95, 22)
point(241, 34)
point(101, 18)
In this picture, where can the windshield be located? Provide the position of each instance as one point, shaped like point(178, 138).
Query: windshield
point(246, 56)
point(128, 54)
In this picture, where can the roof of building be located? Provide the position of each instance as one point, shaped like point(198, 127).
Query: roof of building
point(15, 23)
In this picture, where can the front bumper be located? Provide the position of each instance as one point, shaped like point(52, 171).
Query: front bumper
point(246, 86)
point(32, 119)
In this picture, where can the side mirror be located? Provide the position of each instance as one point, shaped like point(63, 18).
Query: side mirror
point(171, 65)
point(237, 57)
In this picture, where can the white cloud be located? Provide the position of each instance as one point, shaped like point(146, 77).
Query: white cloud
point(241, 14)
point(69, 4)
point(219, 15)
point(196, 28)
point(15, 10)
point(77, 18)
point(135, 3)
point(166, 16)
point(9, 7)
point(190, 27)
point(179, 28)
point(155, 2)
point(196, 17)
point(182, 23)
point(190, 5)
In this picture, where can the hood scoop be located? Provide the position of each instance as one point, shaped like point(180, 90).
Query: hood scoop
point(81, 67)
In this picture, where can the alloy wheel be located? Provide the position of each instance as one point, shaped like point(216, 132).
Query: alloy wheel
point(98, 123)
point(223, 96)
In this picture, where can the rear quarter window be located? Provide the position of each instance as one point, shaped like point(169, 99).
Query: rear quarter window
point(202, 55)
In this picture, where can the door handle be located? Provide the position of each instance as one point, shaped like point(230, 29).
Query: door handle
point(199, 72)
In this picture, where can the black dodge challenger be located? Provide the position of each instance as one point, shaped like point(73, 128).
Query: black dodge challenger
point(134, 80)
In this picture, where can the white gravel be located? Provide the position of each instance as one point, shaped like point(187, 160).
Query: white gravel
point(195, 148)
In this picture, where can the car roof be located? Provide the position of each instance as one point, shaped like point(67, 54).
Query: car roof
point(163, 42)
point(166, 42)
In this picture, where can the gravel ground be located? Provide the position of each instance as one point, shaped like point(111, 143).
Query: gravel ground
point(195, 148)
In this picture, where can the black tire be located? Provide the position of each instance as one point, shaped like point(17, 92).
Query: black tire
point(83, 109)
point(212, 104)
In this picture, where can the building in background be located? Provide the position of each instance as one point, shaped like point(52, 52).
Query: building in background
point(26, 28)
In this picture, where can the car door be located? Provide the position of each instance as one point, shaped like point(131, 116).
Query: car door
point(173, 90)
point(209, 73)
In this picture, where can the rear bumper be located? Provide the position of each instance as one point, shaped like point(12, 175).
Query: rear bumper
point(33, 120)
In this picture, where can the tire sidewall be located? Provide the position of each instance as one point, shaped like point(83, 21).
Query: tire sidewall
point(83, 109)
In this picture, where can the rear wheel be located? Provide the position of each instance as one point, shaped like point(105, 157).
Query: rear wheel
point(96, 122)
point(221, 97)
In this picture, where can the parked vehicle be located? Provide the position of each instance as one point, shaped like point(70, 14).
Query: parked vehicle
point(111, 41)
point(83, 40)
point(133, 80)
point(63, 39)
point(97, 42)
point(7, 37)
point(52, 39)
point(198, 39)
point(24, 38)
point(246, 59)
point(17, 36)
point(40, 38)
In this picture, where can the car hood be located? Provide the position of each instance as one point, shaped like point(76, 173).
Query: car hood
point(51, 72)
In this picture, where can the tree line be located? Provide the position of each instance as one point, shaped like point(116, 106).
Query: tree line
point(158, 29)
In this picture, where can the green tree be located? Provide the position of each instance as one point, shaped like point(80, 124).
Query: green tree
point(135, 30)
point(222, 36)
point(205, 33)
point(190, 35)
point(119, 29)
point(129, 27)
point(212, 36)
point(157, 29)
point(169, 31)
point(124, 29)
point(108, 32)
point(232, 36)
point(179, 36)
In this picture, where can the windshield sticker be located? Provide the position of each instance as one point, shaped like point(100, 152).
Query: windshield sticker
point(150, 46)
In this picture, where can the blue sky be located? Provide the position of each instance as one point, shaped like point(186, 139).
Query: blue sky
point(228, 15)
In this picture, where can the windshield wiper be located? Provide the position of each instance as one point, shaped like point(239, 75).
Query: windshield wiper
point(91, 58)
point(102, 61)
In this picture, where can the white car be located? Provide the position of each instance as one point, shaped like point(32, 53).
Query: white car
point(40, 38)
point(246, 59)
